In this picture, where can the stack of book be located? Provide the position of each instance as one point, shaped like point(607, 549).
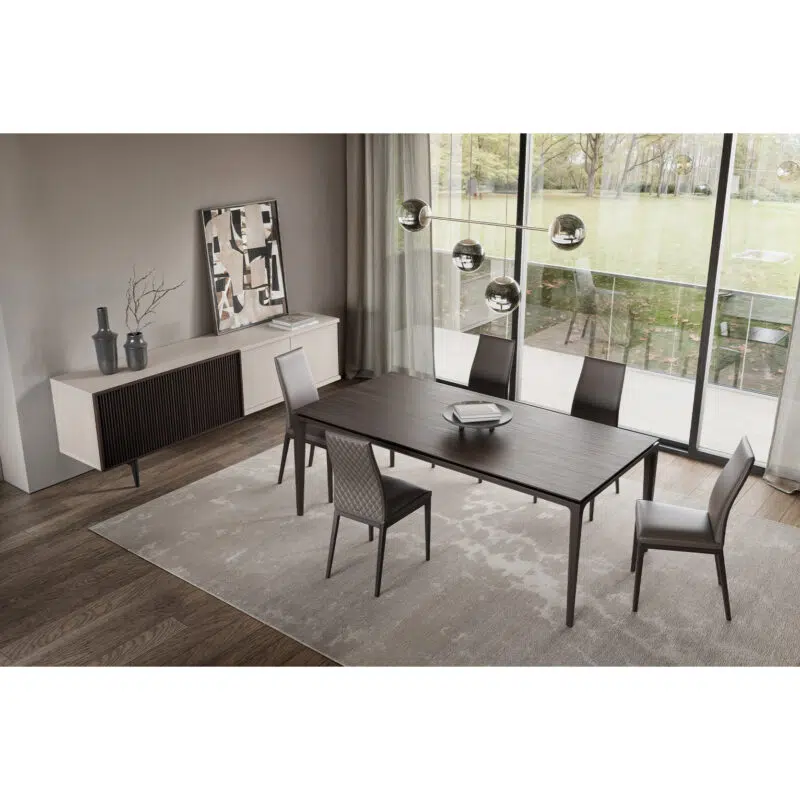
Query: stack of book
point(293, 322)
point(476, 412)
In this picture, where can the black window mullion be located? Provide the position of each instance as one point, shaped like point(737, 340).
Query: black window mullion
point(712, 286)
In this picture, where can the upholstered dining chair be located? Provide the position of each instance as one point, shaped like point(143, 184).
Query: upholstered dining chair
point(298, 389)
point(597, 397)
point(361, 493)
point(660, 526)
point(491, 367)
point(588, 300)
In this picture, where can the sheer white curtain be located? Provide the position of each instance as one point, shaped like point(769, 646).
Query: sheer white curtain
point(389, 316)
point(783, 464)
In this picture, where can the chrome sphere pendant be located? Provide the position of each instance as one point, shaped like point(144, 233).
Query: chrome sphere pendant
point(683, 164)
point(788, 171)
point(567, 232)
point(503, 295)
point(415, 215)
point(468, 255)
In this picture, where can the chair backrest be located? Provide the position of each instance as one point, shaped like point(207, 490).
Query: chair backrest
point(357, 485)
point(727, 487)
point(599, 391)
point(491, 367)
point(584, 282)
point(297, 382)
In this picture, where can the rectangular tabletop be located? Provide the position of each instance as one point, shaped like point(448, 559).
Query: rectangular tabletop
point(557, 455)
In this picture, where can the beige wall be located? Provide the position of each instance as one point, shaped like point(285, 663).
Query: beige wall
point(88, 207)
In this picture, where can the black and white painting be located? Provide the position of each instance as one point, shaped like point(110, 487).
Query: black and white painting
point(245, 263)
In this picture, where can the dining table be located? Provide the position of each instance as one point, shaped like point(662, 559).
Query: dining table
point(541, 452)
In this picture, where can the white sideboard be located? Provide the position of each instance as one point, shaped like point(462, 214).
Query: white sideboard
point(187, 388)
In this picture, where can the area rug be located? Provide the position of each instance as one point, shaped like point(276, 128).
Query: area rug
point(494, 591)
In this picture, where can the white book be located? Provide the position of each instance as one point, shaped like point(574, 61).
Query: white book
point(293, 321)
point(476, 412)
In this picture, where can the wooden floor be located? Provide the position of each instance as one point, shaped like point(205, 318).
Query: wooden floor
point(69, 596)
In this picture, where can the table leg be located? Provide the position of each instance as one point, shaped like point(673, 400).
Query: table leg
point(650, 464)
point(575, 523)
point(299, 427)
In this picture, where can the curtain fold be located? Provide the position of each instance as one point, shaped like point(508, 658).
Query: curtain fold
point(389, 313)
point(783, 465)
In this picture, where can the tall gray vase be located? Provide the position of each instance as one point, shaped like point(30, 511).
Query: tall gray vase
point(105, 344)
point(136, 350)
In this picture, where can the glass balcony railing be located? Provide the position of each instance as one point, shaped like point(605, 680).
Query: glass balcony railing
point(647, 323)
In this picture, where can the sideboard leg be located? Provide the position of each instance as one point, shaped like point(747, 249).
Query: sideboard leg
point(135, 471)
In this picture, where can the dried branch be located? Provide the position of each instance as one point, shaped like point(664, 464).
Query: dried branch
point(143, 296)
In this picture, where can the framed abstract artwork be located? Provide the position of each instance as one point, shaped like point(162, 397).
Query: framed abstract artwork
point(245, 263)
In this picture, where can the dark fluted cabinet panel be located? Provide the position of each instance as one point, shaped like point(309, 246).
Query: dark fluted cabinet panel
point(141, 417)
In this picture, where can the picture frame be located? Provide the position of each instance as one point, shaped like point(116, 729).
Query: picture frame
point(245, 263)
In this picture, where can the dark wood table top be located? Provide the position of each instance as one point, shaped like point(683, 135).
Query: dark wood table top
point(560, 455)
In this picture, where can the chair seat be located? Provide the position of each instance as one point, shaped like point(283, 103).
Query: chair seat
point(665, 525)
point(401, 494)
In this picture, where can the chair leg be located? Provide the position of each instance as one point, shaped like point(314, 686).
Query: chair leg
point(428, 530)
point(330, 476)
point(433, 465)
point(371, 533)
point(283, 457)
point(381, 552)
point(591, 510)
point(585, 325)
point(480, 480)
point(571, 323)
point(637, 584)
point(311, 456)
point(534, 498)
point(719, 574)
point(724, 581)
point(633, 551)
point(391, 458)
point(334, 531)
point(617, 482)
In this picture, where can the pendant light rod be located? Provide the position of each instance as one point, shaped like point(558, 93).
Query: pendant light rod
point(496, 224)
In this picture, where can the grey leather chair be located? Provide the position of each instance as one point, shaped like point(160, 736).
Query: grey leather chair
point(588, 299)
point(298, 389)
point(660, 526)
point(490, 372)
point(492, 365)
point(363, 494)
point(597, 397)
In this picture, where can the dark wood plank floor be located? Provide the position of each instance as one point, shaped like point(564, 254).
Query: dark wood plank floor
point(69, 596)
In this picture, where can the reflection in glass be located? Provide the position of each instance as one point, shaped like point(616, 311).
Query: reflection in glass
point(468, 255)
point(788, 171)
point(415, 215)
point(567, 232)
point(683, 164)
point(503, 295)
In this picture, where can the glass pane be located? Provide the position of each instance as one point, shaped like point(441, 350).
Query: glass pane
point(755, 302)
point(474, 178)
point(634, 290)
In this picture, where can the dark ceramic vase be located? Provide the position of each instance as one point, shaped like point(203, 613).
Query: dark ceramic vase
point(105, 344)
point(136, 351)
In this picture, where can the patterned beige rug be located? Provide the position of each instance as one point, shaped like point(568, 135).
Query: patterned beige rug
point(494, 591)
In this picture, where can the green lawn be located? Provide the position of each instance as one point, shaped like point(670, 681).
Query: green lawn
point(665, 237)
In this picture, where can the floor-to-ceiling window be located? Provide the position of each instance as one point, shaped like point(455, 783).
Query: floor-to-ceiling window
point(635, 290)
point(759, 268)
point(474, 177)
